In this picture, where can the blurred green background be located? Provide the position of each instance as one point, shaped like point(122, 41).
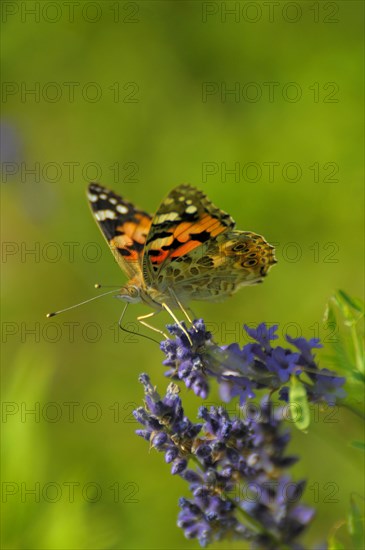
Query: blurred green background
point(134, 94)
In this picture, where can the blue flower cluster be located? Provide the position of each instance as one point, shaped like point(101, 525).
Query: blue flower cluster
point(238, 487)
point(257, 365)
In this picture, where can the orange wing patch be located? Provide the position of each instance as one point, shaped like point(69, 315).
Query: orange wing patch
point(185, 220)
point(184, 238)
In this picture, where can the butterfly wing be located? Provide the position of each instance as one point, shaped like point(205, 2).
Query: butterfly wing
point(122, 224)
point(193, 249)
point(225, 264)
point(185, 223)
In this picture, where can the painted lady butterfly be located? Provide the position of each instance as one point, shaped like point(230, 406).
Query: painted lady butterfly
point(189, 250)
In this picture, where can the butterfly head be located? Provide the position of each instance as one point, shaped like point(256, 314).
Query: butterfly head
point(130, 294)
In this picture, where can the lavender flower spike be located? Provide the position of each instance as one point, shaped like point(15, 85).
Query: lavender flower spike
point(243, 371)
point(232, 459)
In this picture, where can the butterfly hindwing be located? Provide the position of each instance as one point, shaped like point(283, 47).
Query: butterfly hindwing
point(124, 226)
point(219, 267)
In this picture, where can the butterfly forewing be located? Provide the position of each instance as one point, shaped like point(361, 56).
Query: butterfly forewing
point(185, 220)
point(124, 226)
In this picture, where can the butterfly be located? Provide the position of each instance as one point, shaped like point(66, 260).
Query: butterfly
point(189, 250)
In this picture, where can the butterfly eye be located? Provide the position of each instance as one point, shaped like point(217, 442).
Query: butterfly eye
point(129, 293)
point(133, 292)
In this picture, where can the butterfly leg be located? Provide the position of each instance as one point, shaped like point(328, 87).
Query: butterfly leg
point(132, 331)
point(177, 322)
point(183, 309)
point(180, 305)
point(141, 318)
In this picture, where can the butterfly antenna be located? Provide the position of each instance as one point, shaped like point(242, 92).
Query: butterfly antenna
point(132, 331)
point(80, 304)
point(98, 285)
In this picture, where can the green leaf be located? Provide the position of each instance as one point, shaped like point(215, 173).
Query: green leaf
point(299, 404)
point(335, 544)
point(341, 305)
point(329, 315)
point(348, 350)
point(358, 445)
point(358, 350)
point(355, 524)
point(359, 376)
point(347, 306)
point(339, 359)
point(355, 303)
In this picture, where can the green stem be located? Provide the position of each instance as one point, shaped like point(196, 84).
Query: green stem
point(358, 355)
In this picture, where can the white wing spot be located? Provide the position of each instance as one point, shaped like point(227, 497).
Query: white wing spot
point(191, 209)
point(103, 196)
point(103, 215)
point(168, 200)
point(121, 208)
point(112, 200)
point(92, 197)
point(181, 198)
point(170, 217)
point(189, 201)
